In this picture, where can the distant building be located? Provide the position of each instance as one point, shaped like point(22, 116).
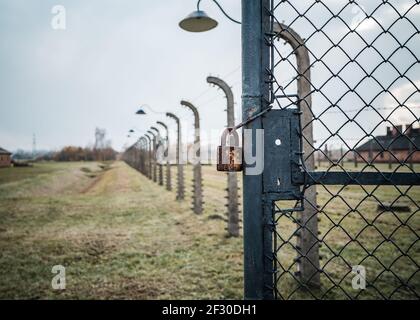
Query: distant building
point(5, 158)
point(396, 146)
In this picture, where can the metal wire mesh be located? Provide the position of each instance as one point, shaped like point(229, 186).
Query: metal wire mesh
point(362, 108)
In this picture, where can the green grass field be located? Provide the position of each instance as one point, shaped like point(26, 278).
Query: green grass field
point(118, 235)
point(121, 236)
point(354, 231)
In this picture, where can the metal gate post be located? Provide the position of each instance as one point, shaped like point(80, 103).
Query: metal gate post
point(307, 241)
point(233, 210)
point(197, 180)
point(180, 182)
point(255, 56)
point(168, 165)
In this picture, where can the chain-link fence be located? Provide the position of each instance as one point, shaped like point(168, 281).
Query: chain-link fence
point(352, 69)
point(335, 86)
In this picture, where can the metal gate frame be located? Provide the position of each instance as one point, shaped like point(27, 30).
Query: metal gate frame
point(285, 163)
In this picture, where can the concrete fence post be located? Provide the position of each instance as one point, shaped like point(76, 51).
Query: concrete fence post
point(136, 154)
point(159, 163)
point(232, 178)
point(180, 195)
point(154, 156)
point(149, 156)
point(307, 241)
point(197, 177)
point(168, 165)
point(142, 158)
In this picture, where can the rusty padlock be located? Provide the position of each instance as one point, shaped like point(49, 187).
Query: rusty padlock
point(229, 158)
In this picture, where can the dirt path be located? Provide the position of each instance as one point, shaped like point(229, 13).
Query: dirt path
point(108, 181)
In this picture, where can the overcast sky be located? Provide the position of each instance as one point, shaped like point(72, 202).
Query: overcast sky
point(116, 55)
point(112, 57)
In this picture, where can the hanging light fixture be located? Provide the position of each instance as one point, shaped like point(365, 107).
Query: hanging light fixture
point(198, 21)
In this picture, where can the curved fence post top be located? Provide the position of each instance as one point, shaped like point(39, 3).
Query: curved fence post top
point(148, 137)
point(289, 35)
point(152, 133)
point(190, 106)
point(156, 129)
point(229, 97)
point(221, 84)
point(162, 124)
point(171, 115)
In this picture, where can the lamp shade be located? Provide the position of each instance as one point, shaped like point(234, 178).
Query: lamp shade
point(140, 111)
point(198, 21)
